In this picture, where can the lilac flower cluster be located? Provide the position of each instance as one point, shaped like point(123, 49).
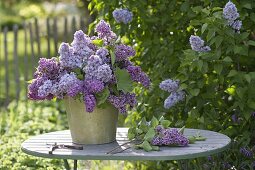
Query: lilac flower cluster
point(85, 69)
point(122, 15)
point(246, 152)
point(172, 86)
point(122, 101)
point(137, 75)
point(197, 44)
point(169, 137)
point(230, 14)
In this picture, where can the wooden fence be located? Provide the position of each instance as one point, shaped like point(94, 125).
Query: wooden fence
point(22, 46)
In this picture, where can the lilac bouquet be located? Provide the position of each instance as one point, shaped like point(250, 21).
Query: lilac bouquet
point(93, 69)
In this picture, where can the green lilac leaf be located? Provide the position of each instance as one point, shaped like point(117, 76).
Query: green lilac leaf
point(146, 146)
point(150, 134)
point(154, 122)
point(113, 57)
point(165, 123)
point(98, 42)
point(102, 96)
point(124, 81)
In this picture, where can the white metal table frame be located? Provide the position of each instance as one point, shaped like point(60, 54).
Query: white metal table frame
point(37, 146)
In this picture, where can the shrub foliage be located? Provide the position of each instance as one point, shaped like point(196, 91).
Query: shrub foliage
point(219, 84)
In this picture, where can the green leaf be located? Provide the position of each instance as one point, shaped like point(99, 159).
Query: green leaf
point(154, 122)
point(232, 73)
point(247, 77)
point(194, 92)
point(150, 134)
point(218, 68)
point(182, 130)
point(124, 81)
point(251, 104)
point(113, 57)
point(98, 42)
point(146, 146)
point(227, 59)
point(192, 139)
point(247, 5)
point(143, 125)
point(251, 43)
point(131, 133)
point(247, 115)
point(218, 41)
point(102, 96)
point(204, 28)
point(210, 34)
point(161, 119)
point(165, 123)
point(155, 148)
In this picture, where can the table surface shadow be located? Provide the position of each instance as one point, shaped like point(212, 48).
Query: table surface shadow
point(36, 146)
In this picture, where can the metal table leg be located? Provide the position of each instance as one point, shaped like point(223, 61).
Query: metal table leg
point(66, 164)
point(183, 164)
point(75, 164)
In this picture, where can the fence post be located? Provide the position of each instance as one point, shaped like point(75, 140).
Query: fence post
point(25, 57)
point(55, 36)
point(48, 35)
point(16, 61)
point(32, 45)
point(7, 83)
point(73, 25)
point(37, 35)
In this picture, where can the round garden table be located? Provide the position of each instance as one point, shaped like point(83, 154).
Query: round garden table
point(40, 146)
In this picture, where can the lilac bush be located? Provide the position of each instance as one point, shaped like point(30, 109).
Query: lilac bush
point(230, 14)
point(96, 69)
point(122, 15)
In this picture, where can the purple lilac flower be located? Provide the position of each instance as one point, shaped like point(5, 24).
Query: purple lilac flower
point(197, 44)
point(102, 53)
point(253, 114)
point(246, 152)
point(137, 75)
point(169, 85)
point(45, 89)
point(93, 86)
point(237, 25)
point(80, 46)
point(122, 15)
point(48, 67)
point(90, 102)
point(170, 137)
point(173, 99)
point(159, 129)
point(69, 84)
point(156, 140)
point(122, 52)
point(122, 101)
point(230, 12)
point(90, 69)
point(67, 58)
point(104, 73)
point(33, 88)
point(104, 32)
point(226, 165)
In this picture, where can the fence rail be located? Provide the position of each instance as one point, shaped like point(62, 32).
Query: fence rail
point(23, 46)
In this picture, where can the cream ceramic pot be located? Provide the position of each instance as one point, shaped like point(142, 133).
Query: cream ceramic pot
point(98, 127)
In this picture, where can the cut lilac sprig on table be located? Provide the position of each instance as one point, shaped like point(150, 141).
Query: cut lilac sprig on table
point(94, 69)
